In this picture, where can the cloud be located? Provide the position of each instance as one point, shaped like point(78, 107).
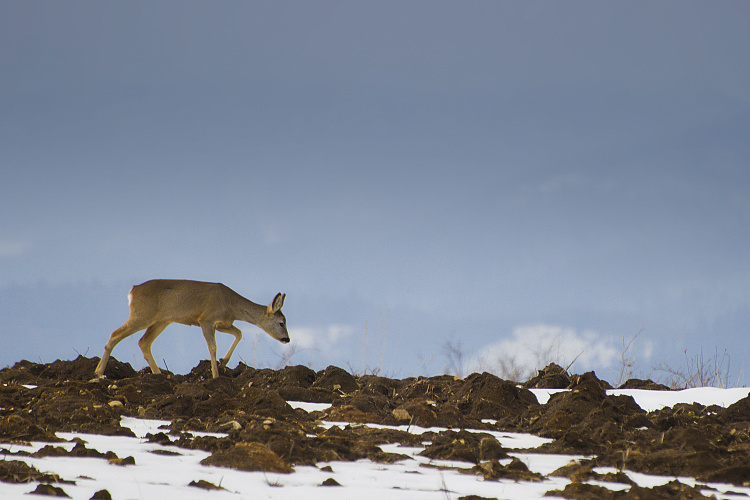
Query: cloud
point(13, 248)
point(534, 346)
point(320, 338)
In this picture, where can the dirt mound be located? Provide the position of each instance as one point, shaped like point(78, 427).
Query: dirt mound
point(263, 432)
point(550, 377)
point(79, 450)
point(583, 420)
point(20, 428)
point(49, 490)
point(515, 470)
point(583, 471)
point(81, 368)
point(250, 457)
point(36, 413)
point(585, 491)
point(649, 385)
point(336, 379)
point(443, 401)
point(464, 446)
point(485, 396)
point(688, 440)
point(16, 471)
point(737, 412)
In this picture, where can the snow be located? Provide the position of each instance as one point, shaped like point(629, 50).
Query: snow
point(707, 396)
point(542, 395)
point(308, 407)
point(656, 400)
point(159, 475)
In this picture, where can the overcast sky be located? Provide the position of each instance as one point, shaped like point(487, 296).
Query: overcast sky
point(514, 176)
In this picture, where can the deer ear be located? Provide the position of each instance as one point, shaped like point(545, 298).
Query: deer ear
point(277, 304)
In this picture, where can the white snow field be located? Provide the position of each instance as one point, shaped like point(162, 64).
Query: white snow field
point(160, 476)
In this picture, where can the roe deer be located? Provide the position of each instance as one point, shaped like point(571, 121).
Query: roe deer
point(212, 306)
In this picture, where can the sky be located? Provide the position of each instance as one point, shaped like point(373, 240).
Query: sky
point(436, 186)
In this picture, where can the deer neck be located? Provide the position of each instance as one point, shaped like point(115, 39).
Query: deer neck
point(249, 311)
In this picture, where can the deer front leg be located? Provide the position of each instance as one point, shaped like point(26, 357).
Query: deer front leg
point(209, 332)
point(126, 330)
point(237, 337)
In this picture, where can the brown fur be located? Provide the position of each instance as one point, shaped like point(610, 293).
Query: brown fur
point(212, 306)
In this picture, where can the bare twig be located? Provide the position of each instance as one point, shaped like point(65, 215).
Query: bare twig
point(455, 354)
point(627, 363)
point(574, 360)
point(286, 356)
point(697, 371)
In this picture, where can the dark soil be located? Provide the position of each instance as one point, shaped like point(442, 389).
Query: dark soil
point(464, 446)
point(49, 490)
point(16, 471)
point(515, 470)
point(672, 490)
point(263, 432)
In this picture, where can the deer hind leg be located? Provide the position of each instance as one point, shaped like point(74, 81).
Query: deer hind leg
point(148, 338)
point(237, 337)
point(209, 332)
point(117, 336)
